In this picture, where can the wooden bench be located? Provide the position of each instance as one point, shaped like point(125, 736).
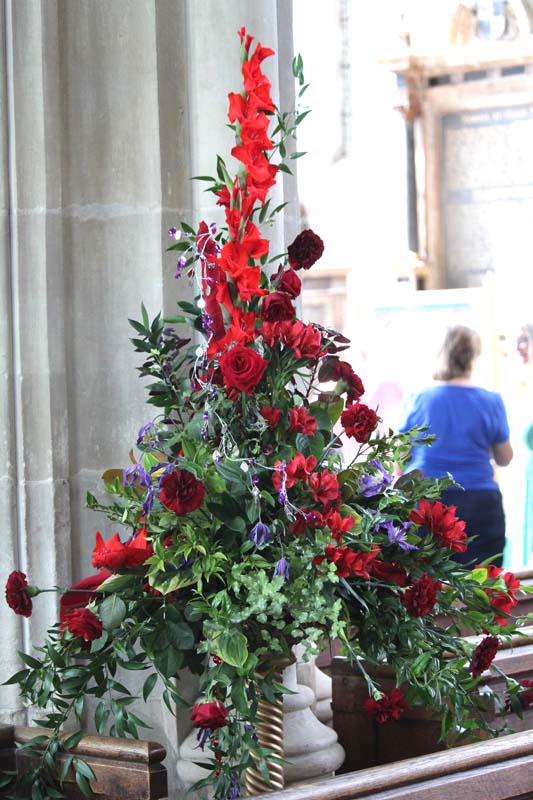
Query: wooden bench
point(499, 769)
point(125, 769)
point(417, 732)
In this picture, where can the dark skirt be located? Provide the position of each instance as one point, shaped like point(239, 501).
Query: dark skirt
point(482, 510)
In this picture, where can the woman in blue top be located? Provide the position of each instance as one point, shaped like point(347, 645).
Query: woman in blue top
point(471, 429)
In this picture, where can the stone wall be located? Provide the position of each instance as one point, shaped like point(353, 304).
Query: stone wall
point(107, 108)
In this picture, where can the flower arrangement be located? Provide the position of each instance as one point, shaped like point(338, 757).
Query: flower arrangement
point(245, 531)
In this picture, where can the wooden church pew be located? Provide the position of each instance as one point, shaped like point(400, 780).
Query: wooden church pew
point(499, 769)
point(417, 732)
point(125, 769)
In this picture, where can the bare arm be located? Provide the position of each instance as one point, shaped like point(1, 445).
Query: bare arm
point(503, 453)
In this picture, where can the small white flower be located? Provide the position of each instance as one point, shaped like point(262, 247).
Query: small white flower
point(244, 466)
point(201, 303)
point(199, 351)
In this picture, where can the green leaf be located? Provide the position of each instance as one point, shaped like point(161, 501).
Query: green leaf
point(149, 684)
point(144, 313)
point(116, 583)
point(168, 662)
point(30, 660)
point(73, 740)
point(84, 768)
point(180, 635)
point(232, 647)
point(112, 612)
point(83, 784)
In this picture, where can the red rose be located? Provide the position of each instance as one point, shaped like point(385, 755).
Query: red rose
point(324, 486)
point(83, 594)
point(83, 624)
point(483, 655)
point(181, 492)
point(277, 307)
point(300, 421)
point(389, 572)
point(116, 555)
point(442, 522)
point(421, 596)
point(305, 250)
point(359, 421)
point(271, 415)
point(242, 368)
point(387, 708)
point(288, 281)
point(18, 597)
point(209, 715)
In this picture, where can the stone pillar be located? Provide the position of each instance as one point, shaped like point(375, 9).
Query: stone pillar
point(108, 107)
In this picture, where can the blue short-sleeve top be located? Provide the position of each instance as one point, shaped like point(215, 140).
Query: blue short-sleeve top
point(466, 421)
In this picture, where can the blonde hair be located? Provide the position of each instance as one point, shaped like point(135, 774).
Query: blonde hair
point(456, 358)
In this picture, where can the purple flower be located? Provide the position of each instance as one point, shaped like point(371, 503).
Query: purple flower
point(174, 233)
point(202, 736)
point(143, 431)
point(396, 534)
point(260, 534)
point(149, 500)
point(136, 472)
point(234, 790)
point(375, 483)
point(283, 569)
point(185, 563)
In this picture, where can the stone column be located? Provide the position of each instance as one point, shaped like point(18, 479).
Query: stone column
point(108, 107)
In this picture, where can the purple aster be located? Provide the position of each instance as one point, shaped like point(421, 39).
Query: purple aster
point(283, 569)
point(136, 472)
point(376, 482)
point(260, 534)
point(143, 432)
point(174, 233)
point(396, 533)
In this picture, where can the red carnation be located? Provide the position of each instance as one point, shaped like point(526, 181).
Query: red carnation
point(19, 594)
point(83, 624)
point(502, 600)
point(277, 307)
point(483, 655)
point(305, 250)
point(359, 421)
point(181, 492)
point(442, 522)
point(387, 708)
point(288, 281)
point(300, 421)
point(305, 340)
point(421, 597)
point(242, 368)
point(333, 369)
point(525, 697)
point(209, 715)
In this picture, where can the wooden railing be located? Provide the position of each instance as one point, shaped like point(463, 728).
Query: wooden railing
point(500, 769)
point(125, 769)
